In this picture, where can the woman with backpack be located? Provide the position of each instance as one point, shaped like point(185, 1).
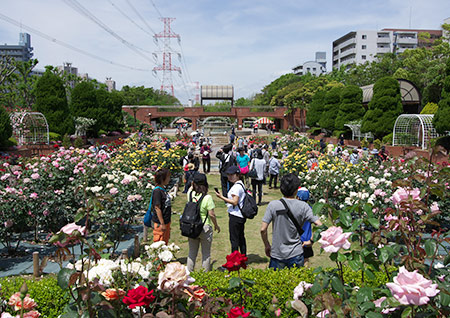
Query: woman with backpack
point(259, 164)
point(199, 190)
point(234, 201)
point(162, 207)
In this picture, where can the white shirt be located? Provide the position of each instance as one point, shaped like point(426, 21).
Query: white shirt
point(238, 190)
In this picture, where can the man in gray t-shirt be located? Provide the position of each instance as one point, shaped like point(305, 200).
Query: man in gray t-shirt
point(287, 247)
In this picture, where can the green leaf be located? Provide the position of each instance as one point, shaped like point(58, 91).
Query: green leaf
point(368, 210)
point(345, 218)
point(355, 225)
point(249, 282)
point(316, 288)
point(406, 312)
point(58, 237)
point(333, 256)
point(337, 285)
point(317, 208)
point(355, 265)
point(366, 306)
point(374, 315)
point(384, 253)
point(447, 260)
point(79, 216)
point(341, 257)
point(364, 294)
point(235, 282)
point(445, 298)
point(64, 277)
point(430, 247)
point(369, 274)
point(374, 222)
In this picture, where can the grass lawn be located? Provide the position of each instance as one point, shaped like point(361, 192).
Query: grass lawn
point(221, 244)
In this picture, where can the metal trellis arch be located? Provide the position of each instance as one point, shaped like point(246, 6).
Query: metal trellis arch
point(414, 130)
point(29, 128)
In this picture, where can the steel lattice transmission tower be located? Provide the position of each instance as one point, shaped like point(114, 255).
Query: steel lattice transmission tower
point(166, 67)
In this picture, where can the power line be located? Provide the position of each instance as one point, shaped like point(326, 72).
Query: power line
point(69, 46)
point(82, 10)
point(140, 17)
point(130, 19)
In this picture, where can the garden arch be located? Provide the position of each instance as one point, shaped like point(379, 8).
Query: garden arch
point(414, 130)
point(356, 131)
point(29, 128)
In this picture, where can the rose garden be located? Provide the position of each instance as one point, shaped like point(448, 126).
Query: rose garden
point(386, 234)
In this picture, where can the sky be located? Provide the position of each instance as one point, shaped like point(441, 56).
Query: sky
point(244, 43)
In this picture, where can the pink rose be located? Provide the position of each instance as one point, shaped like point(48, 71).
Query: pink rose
point(411, 288)
point(174, 275)
point(31, 314)
point(8, 223)
point(404, 194)
point(334, 238)
point(34, 195)
point(434, 207)
point(113, 191)
point(300, 289)
point(378, 304)
point(323, 314)
point(71, 227)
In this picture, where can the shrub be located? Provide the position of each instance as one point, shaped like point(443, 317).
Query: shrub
point(5, 126)
point(430, 108)
point(50, 298)
point(384, 108)
point(54, 136)
point(364, 143)
point(314, 131)
point(387, 140)
point(78, 143)
point(441, 120)
point(102, 132)
point(377, 143)
point(270, 283)
point(66, 142)
point(351, 107)
point(330, 109)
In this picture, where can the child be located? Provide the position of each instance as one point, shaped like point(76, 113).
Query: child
point(303, 195)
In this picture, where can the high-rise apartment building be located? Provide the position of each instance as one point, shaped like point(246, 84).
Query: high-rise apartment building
point(317, 67)
point(21, 52)
point(358, 47)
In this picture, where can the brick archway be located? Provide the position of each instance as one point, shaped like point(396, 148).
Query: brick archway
point(148, 113)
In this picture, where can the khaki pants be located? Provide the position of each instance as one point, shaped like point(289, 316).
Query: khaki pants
point(205, 239)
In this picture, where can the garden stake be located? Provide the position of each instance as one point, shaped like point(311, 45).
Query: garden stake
point(36, 264)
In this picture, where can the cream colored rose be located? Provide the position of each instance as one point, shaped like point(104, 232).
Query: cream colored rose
point(173, 276)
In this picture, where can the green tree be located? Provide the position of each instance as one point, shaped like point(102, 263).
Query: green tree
point(5, 126)
point(316, 108)
point(330, 109)
point(141, 95)
point(84, 101)
point(109, 113)
point(384, 108)
point(351, 107)
point(244, 102)
point(441, 120)
point(269, 91)
point(52, 102)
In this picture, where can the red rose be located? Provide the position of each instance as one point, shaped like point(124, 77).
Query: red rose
point(139, 296)
point(238, 312)
point(235, 261)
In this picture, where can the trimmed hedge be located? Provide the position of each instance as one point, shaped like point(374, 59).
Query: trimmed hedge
point(270, 283)
point(50, 298)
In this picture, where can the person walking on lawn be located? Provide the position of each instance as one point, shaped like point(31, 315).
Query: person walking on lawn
point(287, 247)
point(199, 188)
point(162, 206)
point(274, 170)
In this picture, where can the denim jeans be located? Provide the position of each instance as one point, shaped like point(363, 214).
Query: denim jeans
point(298, 261)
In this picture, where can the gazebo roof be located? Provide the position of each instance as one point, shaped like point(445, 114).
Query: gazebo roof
point(409, 92)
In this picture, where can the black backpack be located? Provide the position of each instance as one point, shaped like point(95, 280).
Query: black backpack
point(249, 207)
point(191, 224)
point(224, 165)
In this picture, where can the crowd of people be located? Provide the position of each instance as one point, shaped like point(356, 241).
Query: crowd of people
point(357, 154)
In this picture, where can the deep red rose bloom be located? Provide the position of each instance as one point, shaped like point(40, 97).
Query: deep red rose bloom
point(235, 261)
point(238, 312)
point(139, 296)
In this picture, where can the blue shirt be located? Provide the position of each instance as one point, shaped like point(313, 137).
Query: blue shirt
point(243, 161)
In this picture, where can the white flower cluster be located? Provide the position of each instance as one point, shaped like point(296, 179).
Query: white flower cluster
point(162, 251)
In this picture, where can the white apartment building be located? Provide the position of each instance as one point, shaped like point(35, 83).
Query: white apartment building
point(317, 67)
point(358, 47)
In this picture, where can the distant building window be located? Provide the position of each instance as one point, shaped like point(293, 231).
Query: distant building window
point(364, 47)
point(314, 69)
point(363, 57)
point(308, 69)
point(364, 36)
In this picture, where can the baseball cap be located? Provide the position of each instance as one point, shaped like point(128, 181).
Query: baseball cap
point(303, 194)
point(233, 170)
